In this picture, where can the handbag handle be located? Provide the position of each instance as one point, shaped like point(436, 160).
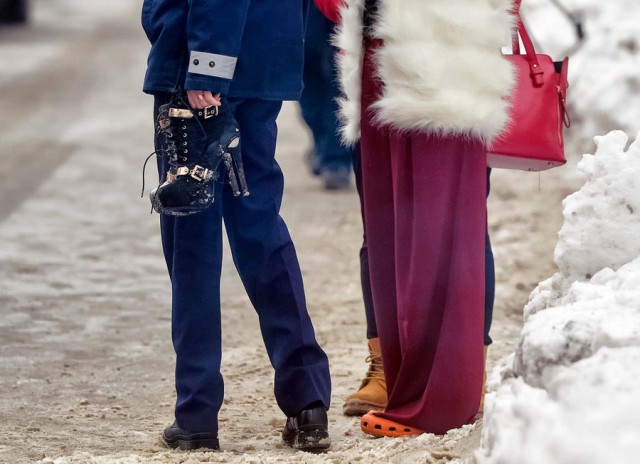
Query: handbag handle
point(515, 40)
point(530, 52)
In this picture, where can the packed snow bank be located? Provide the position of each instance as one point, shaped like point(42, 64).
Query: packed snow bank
point(582, 414)
point(601, 230)
point(603, 70)
point(570, 393)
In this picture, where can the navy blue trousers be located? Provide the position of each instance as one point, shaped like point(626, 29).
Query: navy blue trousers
point(319, 98)
point(365, 277)
point(266, 260)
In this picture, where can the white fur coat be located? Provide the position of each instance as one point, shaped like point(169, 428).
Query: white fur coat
point(441, 66)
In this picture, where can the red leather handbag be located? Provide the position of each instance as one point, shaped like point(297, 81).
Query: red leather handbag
point(534, 140)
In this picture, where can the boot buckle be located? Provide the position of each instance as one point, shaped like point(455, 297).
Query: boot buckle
point(209, 112)
point(199, 173)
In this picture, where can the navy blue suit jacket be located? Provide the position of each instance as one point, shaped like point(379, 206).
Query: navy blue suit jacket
point(240, 48)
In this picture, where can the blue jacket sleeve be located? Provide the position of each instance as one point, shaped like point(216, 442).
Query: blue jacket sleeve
point(214, 34)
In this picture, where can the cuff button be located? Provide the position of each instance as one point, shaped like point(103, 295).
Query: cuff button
point(212, 64)
point(196, 62)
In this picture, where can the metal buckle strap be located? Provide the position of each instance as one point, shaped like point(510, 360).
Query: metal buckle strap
point(183, 113)
point(197, 172)
point(209, 112)
point(200, 173)
point(180, 113)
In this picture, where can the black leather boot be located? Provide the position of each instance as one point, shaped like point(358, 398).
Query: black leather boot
point(175, 437)
point(201, 146)
point(308, 430)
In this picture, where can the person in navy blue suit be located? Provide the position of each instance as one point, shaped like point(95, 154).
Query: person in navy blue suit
point(247, 56)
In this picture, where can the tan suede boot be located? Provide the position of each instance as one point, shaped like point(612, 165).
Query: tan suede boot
point(372, 394)
point(484, 386)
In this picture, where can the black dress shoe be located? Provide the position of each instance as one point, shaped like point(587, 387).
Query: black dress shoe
point(308, 430)
point(175, 437)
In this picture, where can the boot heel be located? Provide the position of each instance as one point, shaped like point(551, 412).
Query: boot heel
point(308, 430)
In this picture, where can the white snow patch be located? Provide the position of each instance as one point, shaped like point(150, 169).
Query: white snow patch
point(586, 413)
point(601, 227)
point(571, 394)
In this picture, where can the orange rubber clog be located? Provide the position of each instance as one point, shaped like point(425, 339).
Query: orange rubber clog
point(381, 427)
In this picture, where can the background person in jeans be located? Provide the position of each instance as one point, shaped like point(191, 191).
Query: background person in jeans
point(329, 159)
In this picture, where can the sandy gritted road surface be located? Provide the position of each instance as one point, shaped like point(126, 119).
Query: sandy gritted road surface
point(86, 363)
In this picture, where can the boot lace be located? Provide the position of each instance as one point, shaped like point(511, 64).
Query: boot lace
point(168, 148)
point(375, 367)
point(172, 135)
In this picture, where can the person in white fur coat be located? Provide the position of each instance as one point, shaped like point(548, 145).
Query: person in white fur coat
point(425, 89)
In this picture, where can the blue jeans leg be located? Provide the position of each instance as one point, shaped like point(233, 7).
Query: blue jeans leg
point(490, 279)
point(319, 97)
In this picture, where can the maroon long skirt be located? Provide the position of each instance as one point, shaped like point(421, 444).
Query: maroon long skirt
point(425, 213)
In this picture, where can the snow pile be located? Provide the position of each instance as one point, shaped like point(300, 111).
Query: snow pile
point(571, 394)
point(603, 71)
point(601, 224)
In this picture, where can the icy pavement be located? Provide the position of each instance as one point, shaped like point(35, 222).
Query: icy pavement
point(52, 25)
point(86, 363)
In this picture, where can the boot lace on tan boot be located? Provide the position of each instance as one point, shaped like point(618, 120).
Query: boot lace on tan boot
point(372, 394)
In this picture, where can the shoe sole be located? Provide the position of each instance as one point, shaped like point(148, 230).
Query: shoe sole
point(192, 442)
point(381, 427)
point(337, 185)
point(359, 408)
point(174, 211)
point(313, 161)
point(312, 439)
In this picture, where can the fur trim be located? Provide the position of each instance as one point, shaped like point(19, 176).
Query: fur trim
point(440, 64)
point(348, 39)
